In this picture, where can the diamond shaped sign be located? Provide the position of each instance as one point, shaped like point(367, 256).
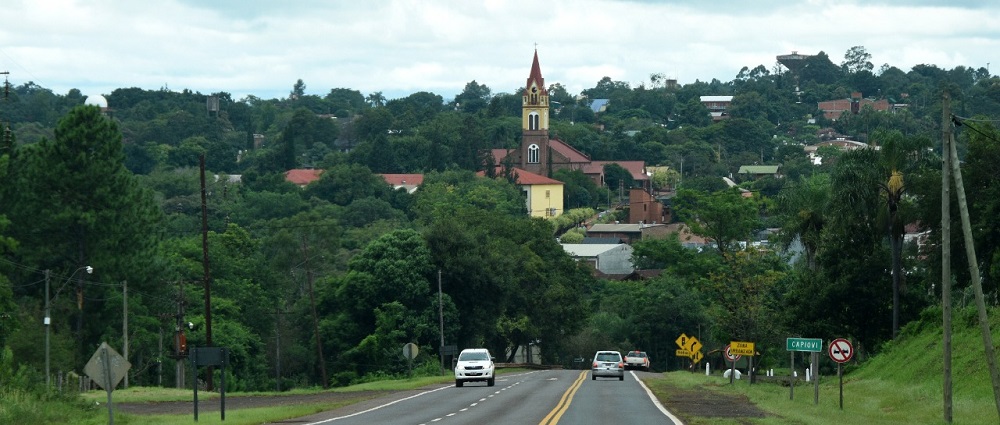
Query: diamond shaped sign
point(104, 364)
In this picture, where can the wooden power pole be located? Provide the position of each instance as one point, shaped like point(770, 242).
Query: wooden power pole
point(946, 249)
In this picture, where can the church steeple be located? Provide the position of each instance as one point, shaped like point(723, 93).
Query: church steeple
point(535, 122)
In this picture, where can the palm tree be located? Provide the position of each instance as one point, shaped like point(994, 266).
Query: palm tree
point(804, 208)
point(376, 99)
point(870, 183)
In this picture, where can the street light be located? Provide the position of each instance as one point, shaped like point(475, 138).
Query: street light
point(48, 319)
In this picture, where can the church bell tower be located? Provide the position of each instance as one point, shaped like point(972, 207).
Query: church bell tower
point(535, 123)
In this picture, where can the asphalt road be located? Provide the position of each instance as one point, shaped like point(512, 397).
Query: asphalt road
point(539, 397)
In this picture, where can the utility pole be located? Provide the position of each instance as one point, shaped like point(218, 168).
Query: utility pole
point(315, 317)
point(977, 284)
point(125, 325)
point(441, 319)
point(946, 249)
point(207, 275)
point(48, 320)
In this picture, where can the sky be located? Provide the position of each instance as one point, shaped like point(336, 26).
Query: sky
point(399, 47)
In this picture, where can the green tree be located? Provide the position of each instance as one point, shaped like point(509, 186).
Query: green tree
point(724, 216)
point(803, 208)
point(83, 207)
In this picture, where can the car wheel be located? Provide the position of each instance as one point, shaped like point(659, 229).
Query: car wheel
point(490, 382)
point(621, 378)
point(458, 383)
point(593, 377)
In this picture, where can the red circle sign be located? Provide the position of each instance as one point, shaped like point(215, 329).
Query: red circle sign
point(841, 350)
point(729, 355)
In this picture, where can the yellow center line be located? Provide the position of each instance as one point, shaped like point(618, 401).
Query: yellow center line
point(553, 417)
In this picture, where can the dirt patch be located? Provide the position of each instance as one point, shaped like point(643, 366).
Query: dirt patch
point(703, 403)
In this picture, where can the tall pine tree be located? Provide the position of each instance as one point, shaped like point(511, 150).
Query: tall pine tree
point(72, 203)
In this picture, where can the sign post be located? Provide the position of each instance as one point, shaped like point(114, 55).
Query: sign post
point(841, 351)
point(732, 357)
point(107, 368)
point(410, 351)
point(745, 349)
point(814, 345)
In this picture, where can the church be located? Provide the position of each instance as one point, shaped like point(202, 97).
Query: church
point(539, 154)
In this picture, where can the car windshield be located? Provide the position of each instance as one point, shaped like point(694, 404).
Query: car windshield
point(608, 357)
point(475, 355)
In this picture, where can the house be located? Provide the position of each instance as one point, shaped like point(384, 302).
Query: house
point(614, 259)
point(628, 232)
point(758, 171)
point(542, 155)
point(718, 106)
point(832, 109)
point(644, 208)
point(543, 197)
point(302, 177)
point(409, 182)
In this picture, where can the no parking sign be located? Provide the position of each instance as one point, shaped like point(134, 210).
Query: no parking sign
point(841, 350)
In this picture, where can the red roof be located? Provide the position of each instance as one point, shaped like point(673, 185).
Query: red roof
point(404, 179)
point(568, 151)
point(526, 177)
point(636, 168)
point(302, 177)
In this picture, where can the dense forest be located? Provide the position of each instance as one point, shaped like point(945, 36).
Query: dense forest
point(322, 285)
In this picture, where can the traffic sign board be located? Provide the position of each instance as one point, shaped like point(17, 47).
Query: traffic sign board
point(841, 350)
point(804, 344)
point(683, 353)
point(730, 355)
point(683, 342)
point(743, 348)
point(696, 356)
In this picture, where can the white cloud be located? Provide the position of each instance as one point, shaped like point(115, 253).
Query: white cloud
point(398, 47)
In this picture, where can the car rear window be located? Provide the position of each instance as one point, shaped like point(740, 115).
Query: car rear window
point(609, 357)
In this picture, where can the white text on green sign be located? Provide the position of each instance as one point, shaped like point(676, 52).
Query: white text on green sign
point(804, 344)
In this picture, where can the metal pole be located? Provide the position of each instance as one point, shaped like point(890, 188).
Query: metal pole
point(48, 319)
point(441, 319)
point(815, 377)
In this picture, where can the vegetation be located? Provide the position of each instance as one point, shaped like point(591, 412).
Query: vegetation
point(336, 276)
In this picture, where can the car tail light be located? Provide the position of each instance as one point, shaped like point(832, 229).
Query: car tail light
point(620, 365)
point(595, 364)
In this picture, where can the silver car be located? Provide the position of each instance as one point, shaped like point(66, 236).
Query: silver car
point(607, 364)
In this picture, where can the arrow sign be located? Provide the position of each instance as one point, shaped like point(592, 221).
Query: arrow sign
point(841, 350)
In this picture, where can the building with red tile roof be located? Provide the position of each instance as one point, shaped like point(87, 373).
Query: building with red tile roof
point(302, 177)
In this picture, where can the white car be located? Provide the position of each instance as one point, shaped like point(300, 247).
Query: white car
point(474, 365)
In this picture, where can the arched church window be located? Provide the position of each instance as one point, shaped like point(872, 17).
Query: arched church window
point(533, 121)
point(533, 154)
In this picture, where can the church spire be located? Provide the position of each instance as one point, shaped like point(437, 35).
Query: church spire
point(535, 77)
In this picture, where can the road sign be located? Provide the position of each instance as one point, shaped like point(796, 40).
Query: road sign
point(696, 356)
point(730, 355)
point(841, 350)
point(682, 342)
point(742, 348)
point(804, 344)
point(683, 353)
point(106, 367)
point(694, 345)
point(410, 350)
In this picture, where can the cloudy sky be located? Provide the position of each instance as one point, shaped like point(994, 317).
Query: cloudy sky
point(398, 47)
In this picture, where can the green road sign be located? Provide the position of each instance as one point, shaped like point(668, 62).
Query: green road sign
point(804, 344)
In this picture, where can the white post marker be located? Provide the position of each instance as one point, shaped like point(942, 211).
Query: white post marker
point(841, 351)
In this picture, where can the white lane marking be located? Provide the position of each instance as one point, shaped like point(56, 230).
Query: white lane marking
point(656, 402)
point(379, 407)
point(411, 397)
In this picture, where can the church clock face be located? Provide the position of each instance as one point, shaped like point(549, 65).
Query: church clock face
point(534, 89)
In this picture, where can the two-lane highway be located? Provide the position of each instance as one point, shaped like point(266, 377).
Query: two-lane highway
point(539, 397)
